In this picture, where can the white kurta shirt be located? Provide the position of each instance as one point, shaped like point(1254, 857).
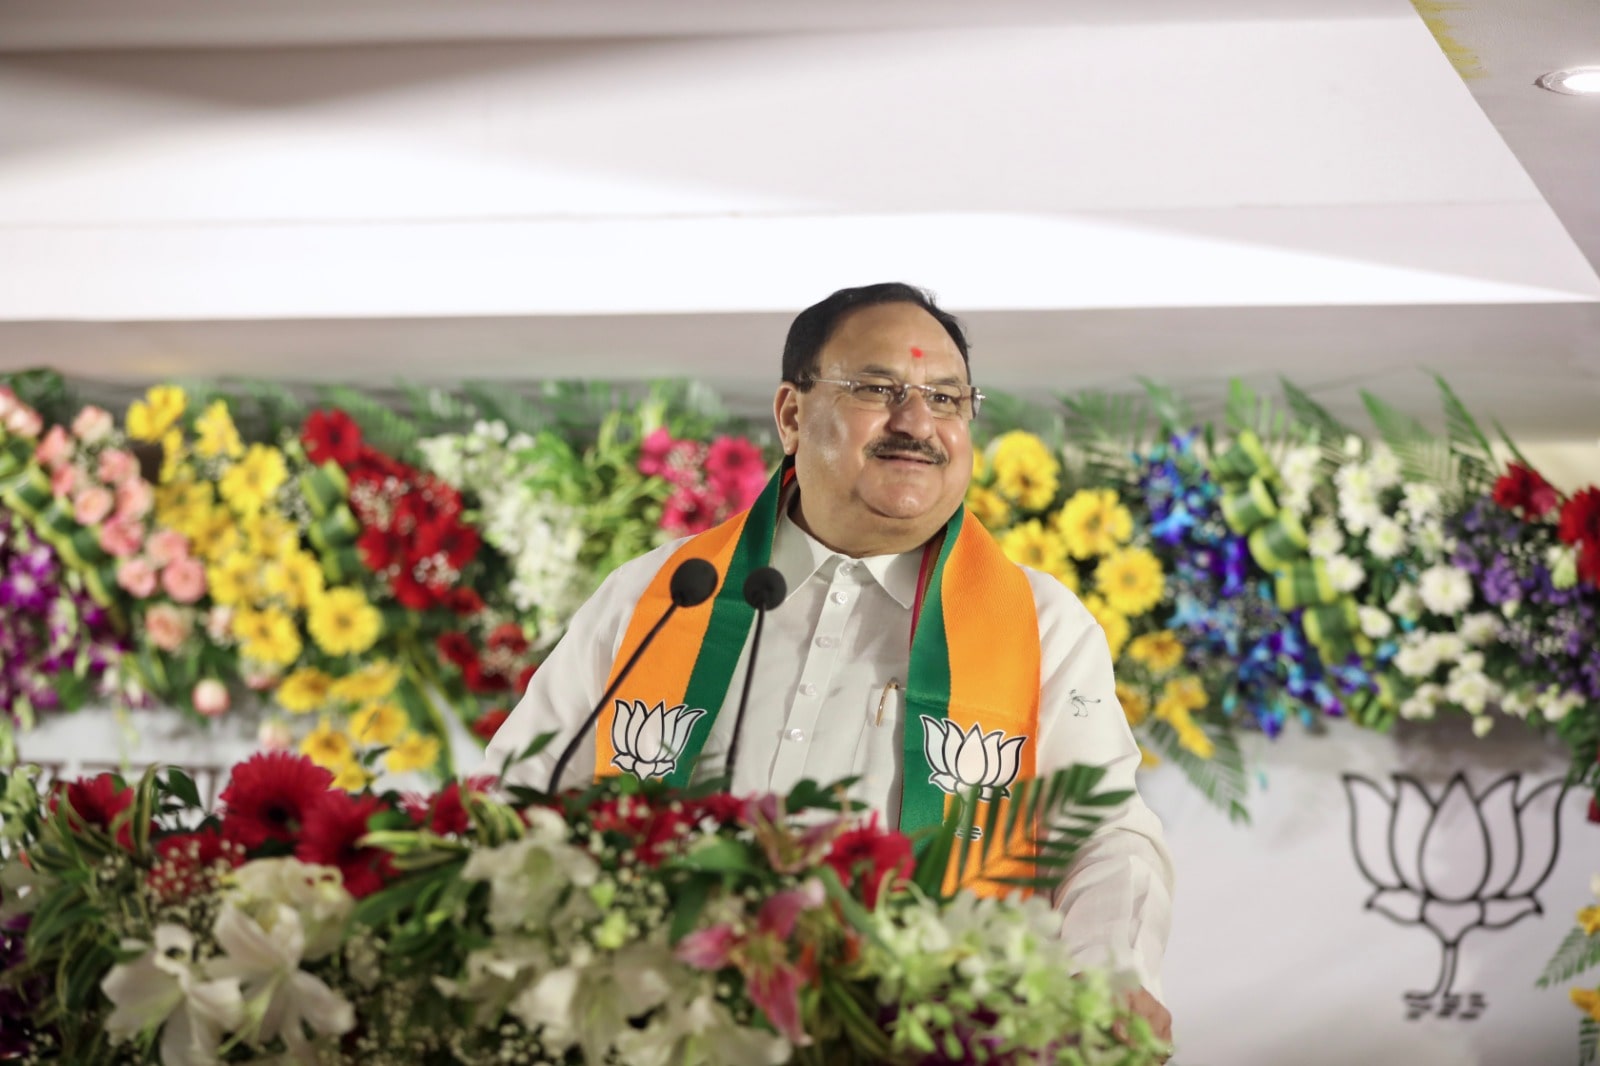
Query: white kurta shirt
point(826, 702)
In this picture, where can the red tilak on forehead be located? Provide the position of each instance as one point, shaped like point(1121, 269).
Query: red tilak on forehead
point(916, 353)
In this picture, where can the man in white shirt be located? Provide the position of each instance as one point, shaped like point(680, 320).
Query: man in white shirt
point(874, 411)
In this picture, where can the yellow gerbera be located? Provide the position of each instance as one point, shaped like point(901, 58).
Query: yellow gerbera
point(988, 507)
point(1131, 580)
point(305, 690)
point(1025, 472)
point(255, 479)
point(270, 536)
point(1185, 692)
point(378, 723)
point(1094, 522)
point(269, 635)
point(1587, 1000)
point(352, 777)
point(980, 466)
point(372, 682)
point(1031, 544)
point(217, 537)
point(1111, 620)
point(328, 748)
point(1160, 651)
point(233, 580)
point(415, 752)
point(342, 622)
point(215, 434)
point(297, 579)
point(172, 453)
point(1135, 704)
point(150, 418)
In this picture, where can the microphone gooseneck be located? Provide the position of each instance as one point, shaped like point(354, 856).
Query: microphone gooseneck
point(764, 589)
point(693, 583)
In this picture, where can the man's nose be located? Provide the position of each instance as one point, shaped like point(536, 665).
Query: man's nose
point(912, 417)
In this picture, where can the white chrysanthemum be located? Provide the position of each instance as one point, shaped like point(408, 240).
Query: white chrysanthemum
point(1516, 704)
point(1481, 725)
point(1325, 538)
point(1383, 467)
point(1445, 590)
point(1420, 503)
point(1344, 573)
point(1446, 647)
point(1416, 659)
point(1374, 623)
point(1359, 511)
point(1554, 704)
point(1405, 603)
point(1299, 473)
point(1470, 690)
point(1353, 446)
point(1480, 629)
point(1423, 704)
point(1386, 539)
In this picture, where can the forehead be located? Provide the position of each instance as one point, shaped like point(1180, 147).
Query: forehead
point(897, 338)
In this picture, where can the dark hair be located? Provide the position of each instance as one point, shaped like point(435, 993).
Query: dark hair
point(812, 327)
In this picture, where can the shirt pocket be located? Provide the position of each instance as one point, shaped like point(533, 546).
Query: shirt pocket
point(877, 762)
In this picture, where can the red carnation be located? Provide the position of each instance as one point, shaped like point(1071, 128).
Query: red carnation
point(441, 813)
point(457, 648)
point(508, 636)
point(98, 800)
point(489, 723)
point(379, 548)
point(482, 681)
point(881, 855)
point(463, 601)
point(331, 435)
point(329, 838)
point(1580, 518)
point(1521, 488)
point(269, 797)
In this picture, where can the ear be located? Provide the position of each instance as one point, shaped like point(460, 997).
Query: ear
point(786, 412)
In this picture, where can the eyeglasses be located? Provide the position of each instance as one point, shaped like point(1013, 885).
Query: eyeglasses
point(943, 401)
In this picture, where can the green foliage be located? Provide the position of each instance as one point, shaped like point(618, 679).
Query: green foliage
point(1422, 455)
point(45, 391)
point(1328, 431)
point(380, 424)
point(1221, 779)
point(1104, 433)
point(1577, 953)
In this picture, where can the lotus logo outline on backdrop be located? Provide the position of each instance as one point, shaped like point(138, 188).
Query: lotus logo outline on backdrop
point(648, 741)
point(964, 760)
point(1460, 862)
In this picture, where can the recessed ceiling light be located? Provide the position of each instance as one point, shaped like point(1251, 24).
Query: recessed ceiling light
point(1575, 81)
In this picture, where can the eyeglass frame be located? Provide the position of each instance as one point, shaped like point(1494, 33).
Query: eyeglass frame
point(902, 393)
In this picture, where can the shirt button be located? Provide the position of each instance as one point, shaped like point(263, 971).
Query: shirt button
point(795, 735)
point(841, 597)
point(847, 567)
point(826, 642)
point(807, 689)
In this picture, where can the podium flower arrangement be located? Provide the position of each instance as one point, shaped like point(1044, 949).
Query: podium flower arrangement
point(628, 923)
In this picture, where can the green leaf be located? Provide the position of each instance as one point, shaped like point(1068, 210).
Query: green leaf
point(1423, 456)
point(1330, 433)
point(182, 785)
point(857, 915)
point(1170, 409)
point(720, 855)
point(1221, 779)
point(1577, 953)
point(1103, 433)
point(687, 906)
point(1472, 448)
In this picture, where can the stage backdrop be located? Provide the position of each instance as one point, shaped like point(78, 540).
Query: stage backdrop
point(1393, 901)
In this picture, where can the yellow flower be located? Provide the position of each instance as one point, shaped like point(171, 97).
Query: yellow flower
point(980, 466)
point(1589, 918)
point(215, 433)
point(1587, 1000)
point(988, 507)
point(1111, 620)
point(1148, 760)
point(378, 723)
point(1067, 574)
point(1185, 692)
point(297, 580)
point(255, 479)
point(342, 622)
point(1025, 471)
point(216, 536)
point(1094, 522)
point(305, 690)
point(328, 748)
point(352, 777)
point(268, 635)
point(1160, 651)
point(372, 682)
point(1031, 544)
point(415, 752)
point(150, 418)
point(270, 536)
point(1135, 704)
point(1195, 739)
point(171, 455)
point(1131, 580)
point(233, 580)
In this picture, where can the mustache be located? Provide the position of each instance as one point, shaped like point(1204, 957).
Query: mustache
point(906, 448)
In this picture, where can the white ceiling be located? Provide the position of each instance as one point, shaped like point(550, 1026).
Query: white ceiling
point(635, 189)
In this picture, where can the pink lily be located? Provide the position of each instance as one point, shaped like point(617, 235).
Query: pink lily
point(789, 852)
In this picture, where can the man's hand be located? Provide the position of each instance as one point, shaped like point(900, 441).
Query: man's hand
point(1150, 1009)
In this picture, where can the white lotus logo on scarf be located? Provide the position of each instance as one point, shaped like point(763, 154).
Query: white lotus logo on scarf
point(648, 742)
point(962, 761)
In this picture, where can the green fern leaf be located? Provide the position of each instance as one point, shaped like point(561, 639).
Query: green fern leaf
point(1330, 432)
point(1221, 779)
point(1171, 411)
point(1423, 456)
point(1588, 1041)
point(1577, 953)
point(1471, 446)
point(1103, 434)
point(379, 423)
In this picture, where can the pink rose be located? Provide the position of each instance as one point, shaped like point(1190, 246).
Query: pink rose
point(274, 736)
point(137, 576)
point(54, 451)
point(63, 480)
point(92, 505)
point(134, 499)
point(117, 466)
point(24, 421)
point(211, 698)
point(92, 425)
point(120, 538)
point(168, 626)
point(166, 546)
point(184, 579)
point(219, 624)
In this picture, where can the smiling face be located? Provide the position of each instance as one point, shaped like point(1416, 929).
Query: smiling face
point(875, 482)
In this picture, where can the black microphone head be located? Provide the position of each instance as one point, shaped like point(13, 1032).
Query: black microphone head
point(693, 583)
point(765, 588)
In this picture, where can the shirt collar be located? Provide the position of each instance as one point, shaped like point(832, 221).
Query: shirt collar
point(797, 555)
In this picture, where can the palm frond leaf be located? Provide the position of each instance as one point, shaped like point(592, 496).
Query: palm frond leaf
point(1171, 411)
point(1577, 953)
point(1004, 410)
point(1103, 432)
point(1330, 432)
point(378, 421)
point(1250, 410)
point(1588, 1041)
point(434, 410)
point(1221, 779)
point(1511, 445)
point(1473, 452)
point(1423, 456)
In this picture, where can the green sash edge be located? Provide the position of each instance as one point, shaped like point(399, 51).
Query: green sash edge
point(922, 803)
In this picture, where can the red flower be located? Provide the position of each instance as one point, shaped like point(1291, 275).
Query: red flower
point(1589, 562)
point(463, 601)
point(447, 537)
point(379, 548)
point(526, 676)
point(331, 435)
point(880, 855)
point(333, 827)
point(735, 466)
point(689, 512)
point(1521, 488)
point(508, 636)
point(185, 858)
point(441, 813)
point(482, 681)
point(1580, 518)
point(723, 808)
point(98, 800)
point(489, 722)
point(413, 594)
point(269, 798)
point(457, 648)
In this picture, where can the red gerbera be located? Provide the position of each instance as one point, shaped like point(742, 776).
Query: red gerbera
point(457, 648)
point(98, 800)
point(1580, 518)
point(269, 797)
point(331, 435)
point(735, 466)
point(877, 855)
point(448, 538)
point(489, 723)
point(464, 601)
point(441, 813)
point(413, 594)
point(1523, 489)
point(379, 548)
point(508, 636)
point(1589, 562)
point(482, 681)
point(332, 828)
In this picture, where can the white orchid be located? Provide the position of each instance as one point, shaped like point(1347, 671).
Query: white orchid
point(284, 1000)
point(973, 759)
point(700, 1030)
point(1445, 590)
point(529, 877)
point(316, 894)
point(588, 1002)
point(648, 741)
point(163, 988)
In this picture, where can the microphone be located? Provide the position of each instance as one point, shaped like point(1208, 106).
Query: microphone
point(693, 583)
point(764, 589)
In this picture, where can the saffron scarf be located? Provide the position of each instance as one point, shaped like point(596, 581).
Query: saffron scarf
point(972, 687)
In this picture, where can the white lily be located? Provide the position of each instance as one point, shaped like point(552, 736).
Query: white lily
point(701, 1031)
point(316, 893)
point(589, 1001)
point(162, 988)
point(528, 877)
point(283, 999)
